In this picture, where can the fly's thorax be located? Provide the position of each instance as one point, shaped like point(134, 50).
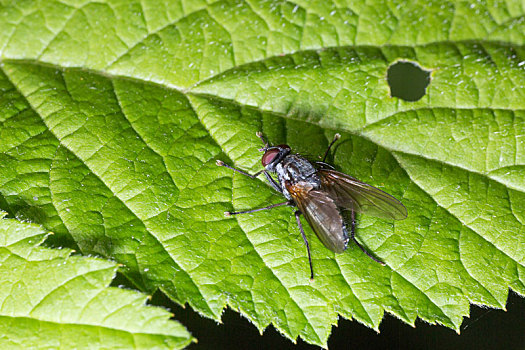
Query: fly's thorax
point(295, 169)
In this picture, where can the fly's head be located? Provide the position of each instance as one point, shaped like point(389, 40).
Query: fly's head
point(273, 156)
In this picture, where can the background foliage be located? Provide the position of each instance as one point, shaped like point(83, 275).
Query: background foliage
point(113, 114)
point(53, 300)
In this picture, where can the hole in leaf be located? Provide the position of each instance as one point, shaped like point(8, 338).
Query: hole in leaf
point(407, 80)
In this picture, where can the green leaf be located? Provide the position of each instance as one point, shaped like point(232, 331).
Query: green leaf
point(112, 115)
point(51, 299)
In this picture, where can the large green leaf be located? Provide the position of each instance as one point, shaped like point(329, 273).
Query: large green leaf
point(51, 300)
point(113, 114)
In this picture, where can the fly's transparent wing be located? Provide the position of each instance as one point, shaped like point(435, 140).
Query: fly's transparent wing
point(358, 196)
point(322, 214)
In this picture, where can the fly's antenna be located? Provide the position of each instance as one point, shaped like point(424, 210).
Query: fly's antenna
point(261, 136)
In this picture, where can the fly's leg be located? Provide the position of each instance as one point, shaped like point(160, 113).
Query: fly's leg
point(270, 179)
point(352, 235)
point(229, 213)
point(336, 137)
point(261, 136)
point(297, 217)
point(272, 182)
point(221, 163)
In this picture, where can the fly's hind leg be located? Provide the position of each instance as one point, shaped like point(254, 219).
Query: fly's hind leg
point(297, 217)
point(336, 137)
point(352, 235)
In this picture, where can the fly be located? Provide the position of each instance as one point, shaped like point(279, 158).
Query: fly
point(323, 196)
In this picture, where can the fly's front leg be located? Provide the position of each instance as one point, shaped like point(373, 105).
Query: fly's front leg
point(272, 182)
point(261, 136)
point(270, 179)
point(352, 235)
point(221, 163)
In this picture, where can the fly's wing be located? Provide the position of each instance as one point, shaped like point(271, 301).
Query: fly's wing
point(358, 196)
point(322, 214)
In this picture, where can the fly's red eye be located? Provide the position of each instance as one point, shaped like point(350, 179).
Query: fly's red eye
point(269, 156)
